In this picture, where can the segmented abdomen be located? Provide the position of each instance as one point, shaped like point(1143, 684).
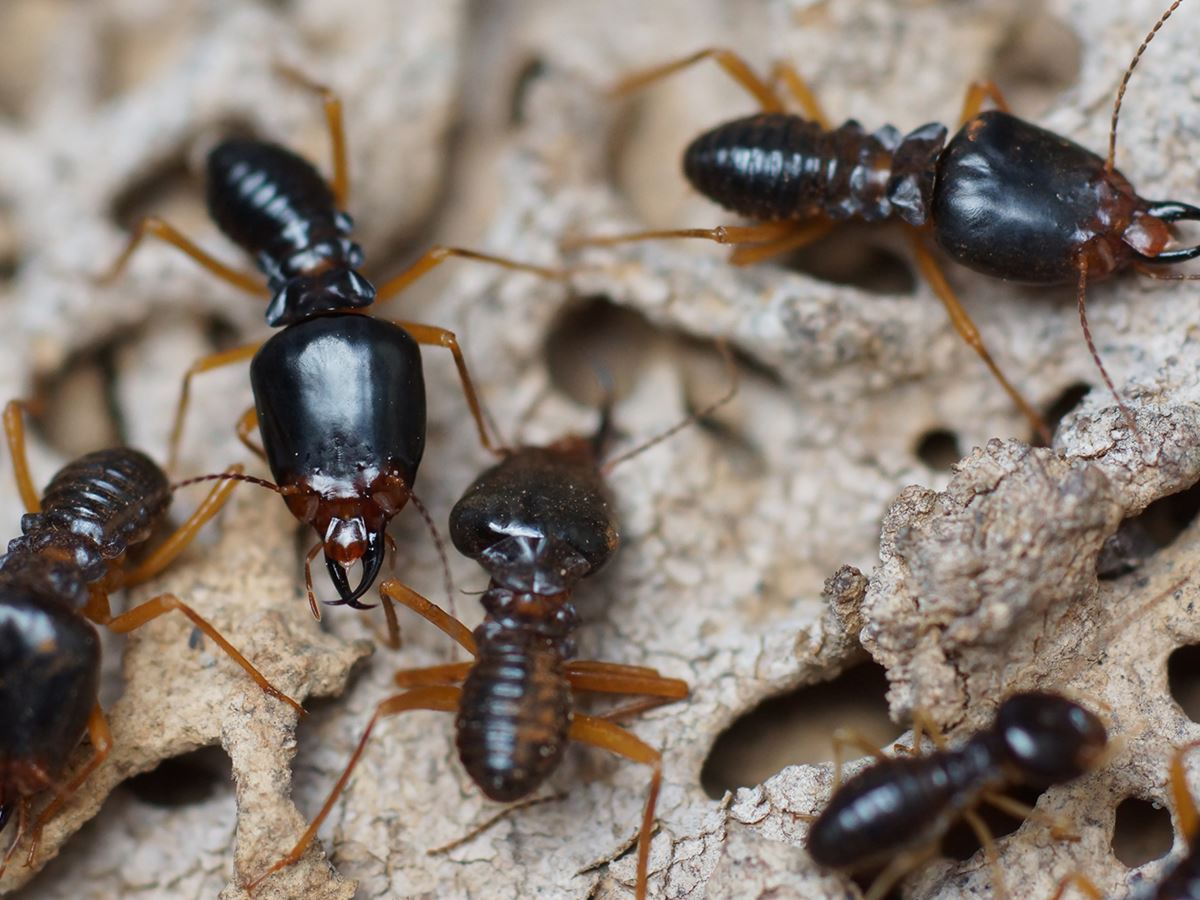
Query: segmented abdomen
point(899, 803)
point(514, 715)
point(776, 166)
point(112, 498)
point(268, 200)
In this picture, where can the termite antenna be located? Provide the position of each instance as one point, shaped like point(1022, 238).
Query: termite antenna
point(447, 578)
point(1081, 295)
point(730, 392)
point(234, 476)
point(1112, 132)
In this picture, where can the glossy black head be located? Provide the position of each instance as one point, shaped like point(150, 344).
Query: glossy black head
point(539, 505)
point(1018, 202)
point(1048, 739)
point(49, 674)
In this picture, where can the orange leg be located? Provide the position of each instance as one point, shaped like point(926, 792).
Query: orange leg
point(801, 236)
point(606, 735)
point(1080, 882)
point(762, 233)
point(204, 364)
point(1186, 813)
point(736, 67)
point(848, 737)
point(429, 611)
point(906, 862)
point(923, 724)
point(654, 686)
point(984, 834)
point(246, 424)
point(101, 739)
point(1059, 830)
point(968, 332)
point(165, 603)
point(14, 430)
point(435, 256)
point(440, 698)
point(784, 73)
point(977, 93)
point(340, 184)
point(431, 335)
point(448, 673)
point(156, 227)
point(167, 552)
point(596, 666)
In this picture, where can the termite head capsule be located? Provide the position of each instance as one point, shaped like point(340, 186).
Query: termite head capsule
point(1048, 739)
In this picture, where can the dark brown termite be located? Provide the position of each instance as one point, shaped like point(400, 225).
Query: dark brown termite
point(55, 581)
point(538, 522)
point(339, 395)
point(1003, 196)
point(895, 812)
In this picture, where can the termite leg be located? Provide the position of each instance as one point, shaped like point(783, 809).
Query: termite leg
point(431, 335)
point(429, 611)
point(762, 233)
point(848, 737)
point(204, 364)
point(1185, 804)
point(165, 603)
point(340, 183)
point(435, 256)
point(101, 739)
point(613, 678)
point(606, 735)
point(440, 698)
point(785, 73)
point(923, 724)
point(977, 93)
point(169, 550)
point(164, 231)
point(801, 236)
point(733, 65)
point(1080, 882)
point(966, 328)
point(1059, 830)
point(899, 867)
point(246, 424)
point(447, 673)
point(984, 834)
point(14, 430)
point(22, 822)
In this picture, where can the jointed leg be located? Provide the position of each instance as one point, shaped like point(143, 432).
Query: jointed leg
point(204, 364)
point(848, 737)
point(165, 603)
point(101, 739)
point(432, 613)
point(654, 686)
point(977, 93)
point(606, 735)
point(984, 834)
point(786, 73)
point(1181, 797)
point(22, 822)
point(313, 606)
point(1059, 830)
point(969, 333)
point(14, 430)
point(906, 862)
point(597, 666)
point(444, 699)
point(440, 337)
point(1080, 882)
point(246, 424)
point(736, 67)
point(762, 233)
point(169, 550)
point(447, 673)
point(156, 227)
point(801, 236)
point(340, 182)
point(435, 256)
point(923, 724)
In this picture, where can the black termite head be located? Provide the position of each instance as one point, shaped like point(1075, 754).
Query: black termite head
point(540, 519)
point(276, 206)
point(50, 660)
point(1047, 739)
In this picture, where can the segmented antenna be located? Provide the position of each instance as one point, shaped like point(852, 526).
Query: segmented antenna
point(1112, 133)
